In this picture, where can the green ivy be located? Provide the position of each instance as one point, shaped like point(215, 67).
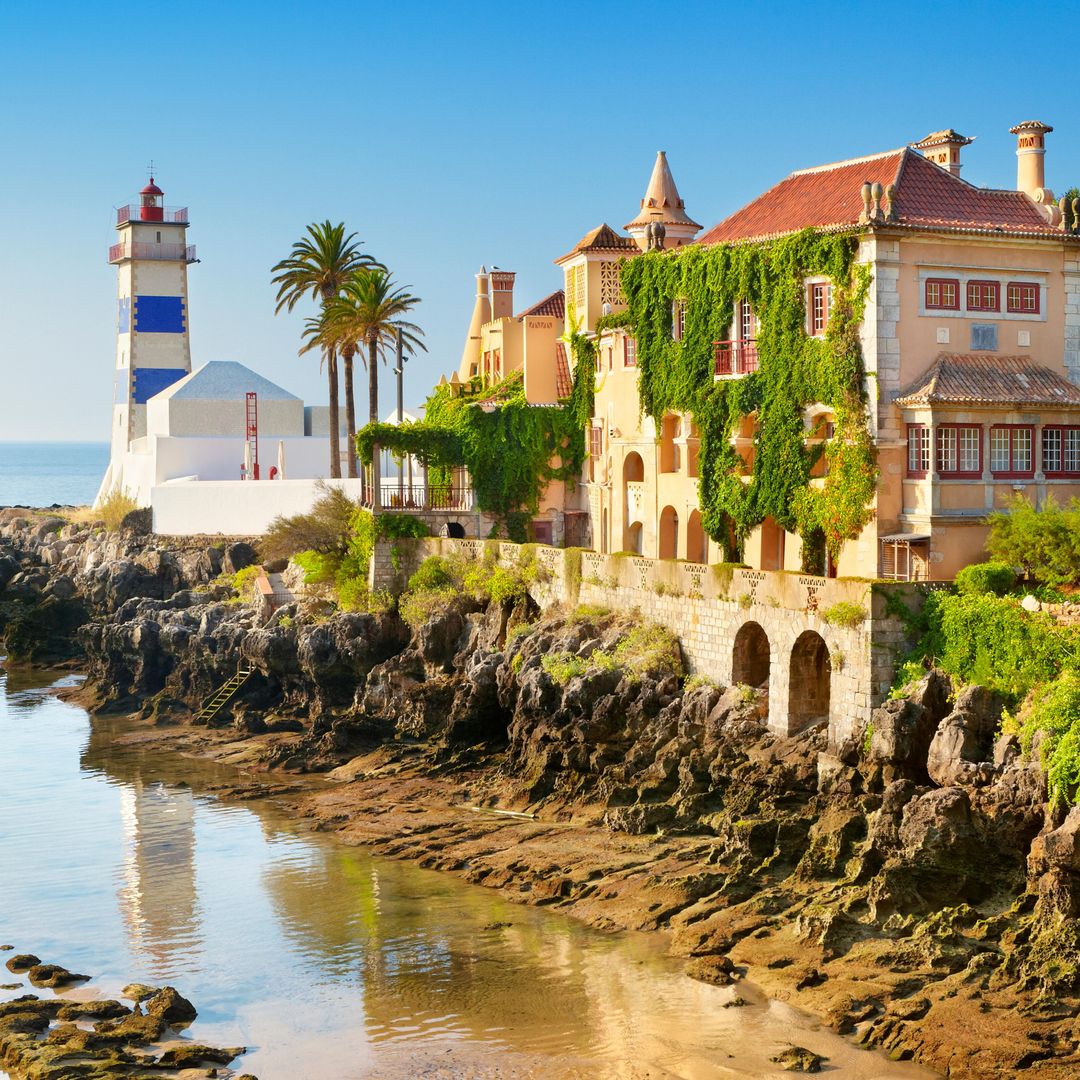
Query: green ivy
point(795, 370)
point(511, 449)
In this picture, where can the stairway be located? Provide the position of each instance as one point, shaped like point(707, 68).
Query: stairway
point(223, 695)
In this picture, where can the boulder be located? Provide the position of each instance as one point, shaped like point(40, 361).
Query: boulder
point(1061, 848)
point(238, 557)
point(964, 740)
point(170, 1007)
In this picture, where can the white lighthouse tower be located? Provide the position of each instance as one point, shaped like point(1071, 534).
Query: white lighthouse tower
point(152, 346)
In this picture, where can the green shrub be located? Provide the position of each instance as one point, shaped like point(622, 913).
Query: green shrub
point(846, 614)
point(1046, 542)
point(517, 631)
point(327, 527)
point(563, 666)
point(401, 527)
point(979, 579)
point(649, 650)
point(1054, 709)
point(588, 613)
point(319, 567)
point(243, 580)
point(416, 608)
point(695, 682)
point(433, 573)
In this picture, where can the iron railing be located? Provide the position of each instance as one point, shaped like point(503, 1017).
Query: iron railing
point(160, 252)
point(736, 357)
point(406, 497)
point(171, 215)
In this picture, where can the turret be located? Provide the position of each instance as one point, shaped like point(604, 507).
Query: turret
point(470, 356)
point(662, 206)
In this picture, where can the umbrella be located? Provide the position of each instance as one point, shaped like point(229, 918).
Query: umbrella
point(247, 461)
point(281, 459)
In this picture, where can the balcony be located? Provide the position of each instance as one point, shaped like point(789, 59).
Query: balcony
point(736, 357)
point(170, 215)
point(403, 497)
point(159, 252)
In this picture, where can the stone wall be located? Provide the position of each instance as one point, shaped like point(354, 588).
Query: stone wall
point(734, 624)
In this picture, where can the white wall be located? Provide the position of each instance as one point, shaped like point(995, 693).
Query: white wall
point(232, 507)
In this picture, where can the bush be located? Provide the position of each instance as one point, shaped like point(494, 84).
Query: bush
point(243, 580)
point(997, 578)
point(845, 614)
point(416, 608)
point(649, 650)
point(433, 573)
point(319, 568)
point(1055, 710)
point(1046, 542)
point(326, 527)
point(115, 507)
point(563, 666)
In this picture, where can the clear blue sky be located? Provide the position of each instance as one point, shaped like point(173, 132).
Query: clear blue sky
point(446, 135)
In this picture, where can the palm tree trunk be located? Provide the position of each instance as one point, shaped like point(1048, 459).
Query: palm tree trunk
point(335, 424)
point(350, 413)
point(373, 381)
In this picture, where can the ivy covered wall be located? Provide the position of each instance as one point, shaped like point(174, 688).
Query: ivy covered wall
point(795, 370)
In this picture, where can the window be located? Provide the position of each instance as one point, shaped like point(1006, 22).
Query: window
point(984, 337)
point(1011, 450)
point(596, 449)
point(918, 450)
point(496, 363)
point(959, 450)
point(1061, 451)
point(747, 322)
point(943, 294)
point(819, 297)
point(1022, 298)
point(983, 296)
point(630, 352)
point(678, 319)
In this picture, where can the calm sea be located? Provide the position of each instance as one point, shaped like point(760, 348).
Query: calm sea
point(43, 473)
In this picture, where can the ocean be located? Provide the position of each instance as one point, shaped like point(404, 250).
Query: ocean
point(43, 473)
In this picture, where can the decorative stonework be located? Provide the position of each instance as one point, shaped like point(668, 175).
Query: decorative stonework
point(611, 285)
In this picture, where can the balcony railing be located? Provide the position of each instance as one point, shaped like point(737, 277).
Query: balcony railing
point(171, 215)
point(736, 357)
point(406, 497)
point(161, 252)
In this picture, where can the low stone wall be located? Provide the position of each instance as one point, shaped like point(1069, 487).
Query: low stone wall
point(797, 633)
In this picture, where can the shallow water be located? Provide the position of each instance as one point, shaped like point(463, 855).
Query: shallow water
point(328, 963)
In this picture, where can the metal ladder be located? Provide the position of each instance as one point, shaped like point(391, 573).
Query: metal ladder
point(223, 695)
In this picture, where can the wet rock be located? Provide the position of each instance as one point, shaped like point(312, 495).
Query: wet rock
point(799, 1059)
point(22, 962)
point(192, 1055)
point(168, 1005)
point(53, 976)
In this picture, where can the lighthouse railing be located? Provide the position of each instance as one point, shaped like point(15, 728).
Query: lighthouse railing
point(170, 215)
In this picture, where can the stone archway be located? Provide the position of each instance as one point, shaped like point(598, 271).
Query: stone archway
point(809, 676)
point(669, 534)
point(633, 539)
point(697, 545)
point(750, 658)
point(454, 530)
point(633, 469)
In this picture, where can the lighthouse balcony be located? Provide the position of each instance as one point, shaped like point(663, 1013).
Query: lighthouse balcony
point(170, 215)
point(160, 252)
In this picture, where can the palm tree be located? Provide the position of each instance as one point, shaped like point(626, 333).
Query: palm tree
point(370, 311)
point(319, 265)
point(321, 333)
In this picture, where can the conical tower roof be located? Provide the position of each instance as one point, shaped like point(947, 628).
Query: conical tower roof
point(662, 201)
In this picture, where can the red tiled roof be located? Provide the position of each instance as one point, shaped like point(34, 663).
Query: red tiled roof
point(963, 378)
point(927, 196)
point(602, 238)
point(564, 384)
point(554, 305)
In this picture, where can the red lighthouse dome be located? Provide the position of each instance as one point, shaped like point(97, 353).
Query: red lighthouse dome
point(150, 205)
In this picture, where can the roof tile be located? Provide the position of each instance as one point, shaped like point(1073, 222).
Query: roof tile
point(964, 378)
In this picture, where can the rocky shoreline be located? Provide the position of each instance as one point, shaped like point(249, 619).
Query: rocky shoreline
point(912, 886)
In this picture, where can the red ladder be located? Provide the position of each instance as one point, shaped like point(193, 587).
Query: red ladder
point(253, 432)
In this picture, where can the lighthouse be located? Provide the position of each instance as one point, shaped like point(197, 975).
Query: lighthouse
point(153, 350)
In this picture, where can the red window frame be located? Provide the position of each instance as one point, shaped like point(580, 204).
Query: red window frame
point(1025, 291)
point(679, 318)
point(1013, 473)
point(957, 473)
point(629, 351)
point(1063, 431)
point(942, 303)
point(987, 295)
point(818, 302)
point(918, 442)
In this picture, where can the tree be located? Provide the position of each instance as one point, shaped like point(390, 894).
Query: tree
point(321, 333)
point(319, 265)
point(371, 310)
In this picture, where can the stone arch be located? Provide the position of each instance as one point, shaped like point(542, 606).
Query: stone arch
point(809, 677)
point(669, 533)
point(633, 468)
point(697, 544)
point(751, 656)
point(454, 530)
point(633, 539)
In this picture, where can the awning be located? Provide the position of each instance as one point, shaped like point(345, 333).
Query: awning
point(905, 538)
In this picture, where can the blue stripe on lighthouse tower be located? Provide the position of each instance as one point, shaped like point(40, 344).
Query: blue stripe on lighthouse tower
point(146, 382)
point(159, 314)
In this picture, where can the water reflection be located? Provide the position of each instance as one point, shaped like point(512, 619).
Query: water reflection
point(327, 962)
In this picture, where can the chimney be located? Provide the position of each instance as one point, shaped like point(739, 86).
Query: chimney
point(470, 357)
point(1030, 155)
point(502, 293)
point(943, 148)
